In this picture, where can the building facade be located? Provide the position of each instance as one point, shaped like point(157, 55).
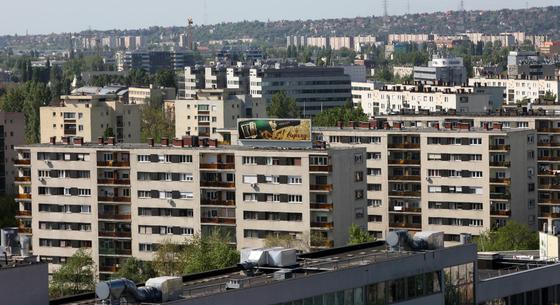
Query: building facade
point(12, 134)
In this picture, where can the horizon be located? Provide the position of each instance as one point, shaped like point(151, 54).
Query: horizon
point(218, 11)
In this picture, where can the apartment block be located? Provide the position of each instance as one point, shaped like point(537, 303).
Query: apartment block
point(447, 70)
point(90, 116)
point(455, 179)
point(142, 96)
point(338, 43)
point(153, 61)
point(12, 134)
point(122, 200)
point(523, 90)
point(214, 109)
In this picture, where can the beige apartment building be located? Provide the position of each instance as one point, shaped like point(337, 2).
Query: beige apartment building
point(122, 200)
point(89, 116)
point(522, 90)
point(12, 134)
point(156, 96)
point(214, 109)
point(451, 178)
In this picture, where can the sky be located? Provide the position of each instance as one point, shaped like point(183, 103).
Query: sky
point(56, 16)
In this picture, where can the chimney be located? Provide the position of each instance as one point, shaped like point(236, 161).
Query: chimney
point(111, 141)
point(150, 142)
point(65, 140)
point(53, 140)
point(177, 142)
point(397, 125)
point(79, 141)
point(364, 125)
point(100, 141)
point(373, 124)
point(164, 141)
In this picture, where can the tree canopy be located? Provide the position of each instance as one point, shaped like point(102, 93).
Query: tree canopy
point(155, 124)
point(135, 270)
point(512, 236)
point(8, 208)
point(75, 276)
point(330, 117)
point(282, 106)
point(357, 235)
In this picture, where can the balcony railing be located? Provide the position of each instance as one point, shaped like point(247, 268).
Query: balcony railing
point(500, 164)
point(23, 179)
point(549, 186)
point(405, 145)
point(23, 213)
point(404, 194)
point(114, 199)
point(115, 216)
point(114, 181)
point(108, 269)
point(500, 147)
point(405, 225)
point(218, 202)
point(322, 243)
point(500, 196)
point(548, 144)
point(548, 158)
point(320, 168)
point(321, 206)
point(218, 220)
point(550, 215)
point(404, 161)
point(500, 180)
point(112, 251)
point(217, 184)
point(405, 178)
point(553, 201)
point(25, 230)
point(500, 213)
point(547, 172)
point(23, 196)
point(70, 132)
point(548, 129)
point(217, 165)
point(321, 187)
point(22, 162)
point(405, 210)
point(322, 225)
point(115, 234)
point(114, 163)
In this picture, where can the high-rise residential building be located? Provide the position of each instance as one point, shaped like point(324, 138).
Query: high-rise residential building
point(319, 42)
point(90, 114)
point(12, 133)
point(550, 48)
point(214, 109)
point(314, 88)
point(449, 70)
point(122, 200)
point(416, 38)
point(338, 43)
point(363, 41)
point(449, 178)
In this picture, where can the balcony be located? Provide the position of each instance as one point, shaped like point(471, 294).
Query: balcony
point(500, 196)
point(321, 206)
point(23, 179)
point(113, 163)
point(114, 199)
point(500, 147)
point(500, 213)
point(549, 200)
point(24, 213)
point(549, 187)
point(322, 225)
point(23, 196)
point(550, 215)
point(500, 164)
point(548, 144)
point(217, 166)
point(115, 234)
point(25, 230)
point(405, 225)
point(548, 130)
point(405, 146)
point(321, 187)
point(218, 220)
point(404, 194)
point(547, 172)
point(500, 181)
point(405, 210)
point(113, 216)
point(70, 132)
point(113, 181)
point(405, 178)
point(217, 184)
point(218, 202)
point(405, 162)
point(22, 162)
point(322, 243)
point(108, 269)
point(320, 168)
point(548, 158)
point(112, 251)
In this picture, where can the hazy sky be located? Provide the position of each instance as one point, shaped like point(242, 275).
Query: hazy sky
point(44, 16)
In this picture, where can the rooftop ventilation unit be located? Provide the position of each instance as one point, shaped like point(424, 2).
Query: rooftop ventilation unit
point(425, 240)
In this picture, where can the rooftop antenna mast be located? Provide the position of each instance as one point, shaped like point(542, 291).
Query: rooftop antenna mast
point(190, 39)
point(385, 14)
point(408, 7)
point(462, 6)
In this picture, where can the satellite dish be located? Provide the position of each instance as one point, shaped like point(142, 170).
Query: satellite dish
point(102, 290)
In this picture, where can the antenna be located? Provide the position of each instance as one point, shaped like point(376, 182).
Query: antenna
point(385, 8)
point(190, 39)
point(408, 7)
point(462, 6)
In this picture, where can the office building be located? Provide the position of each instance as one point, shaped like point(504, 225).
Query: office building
point(443, 178)
point(122, 200)
point(443, 70)
point(90, 113)
point(214, 109)
point(153, 61)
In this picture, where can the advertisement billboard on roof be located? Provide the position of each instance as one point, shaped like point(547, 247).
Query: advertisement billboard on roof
point(290, 130)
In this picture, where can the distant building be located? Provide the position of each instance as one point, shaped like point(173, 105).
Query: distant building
point(156, 96)
point(403, 71)
point(363, 41)
point(357, 73)
point(450, 70)
point(319, 42)
point(338, 43)
point(528, 64)
point(522, 89)
point(153, 61)
point(12, 133)
point(550, 48)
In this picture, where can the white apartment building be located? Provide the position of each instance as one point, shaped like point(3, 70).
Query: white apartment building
point(212, 110)
point(362, 95)
point(444, 178)
point(319, 42)
point(416, 38)
point(523, 90)
point(338, 43)
point(123, 200)
point(142, 96)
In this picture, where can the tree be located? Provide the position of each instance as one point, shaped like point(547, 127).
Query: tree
point(165, 78)
point(75, 276)
point(330, 117)
point(8, 208)
point(512, 236)
point(155, 124)
point(108, 132)
point(282, 106)
point(285, 241)
point(357, 235)
point(135, 270)
point(167, 260)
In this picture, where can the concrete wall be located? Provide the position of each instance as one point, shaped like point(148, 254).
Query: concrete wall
point(24, 285)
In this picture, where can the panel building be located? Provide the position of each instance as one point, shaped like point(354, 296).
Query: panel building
point(12, 133)
point(442, 70)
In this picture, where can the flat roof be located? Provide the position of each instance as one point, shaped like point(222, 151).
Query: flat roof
point(422, 130)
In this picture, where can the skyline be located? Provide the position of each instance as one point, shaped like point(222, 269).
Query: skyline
point(107, 15)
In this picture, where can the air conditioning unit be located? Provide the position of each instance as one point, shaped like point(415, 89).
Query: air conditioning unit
point(42, 180)
point(253, 185)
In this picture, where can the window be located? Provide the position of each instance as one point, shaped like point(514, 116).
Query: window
point(359, 194)
point(476, 174)
point(358, 158)
point(295, 180)
point(250, 160)
point(295, 198)
point(250, 179)
point(374, 203)
point(531, 187)
point(143, 158)
point(476, 141)
point(186, 195)
point(84, 192)
point(530, 139)
point(359, 176)
point(374, 172)
point(249, 197)
point(374, 156)
point(144, 194)
point(186, 177)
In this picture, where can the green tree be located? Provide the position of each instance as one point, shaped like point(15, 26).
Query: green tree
point(135, 270)
point(357, 235)
point(167, 260)
point(549, 96)
point(285, 241)
point(75, 276)
point(8, 208)
point(330, 117)
point(512, 236)
point(282, 106)
point(155, 124)
point(165, 78)
point(108, 132)
point(209, 252)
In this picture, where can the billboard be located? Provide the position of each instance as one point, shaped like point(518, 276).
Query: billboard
point(274, 130)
